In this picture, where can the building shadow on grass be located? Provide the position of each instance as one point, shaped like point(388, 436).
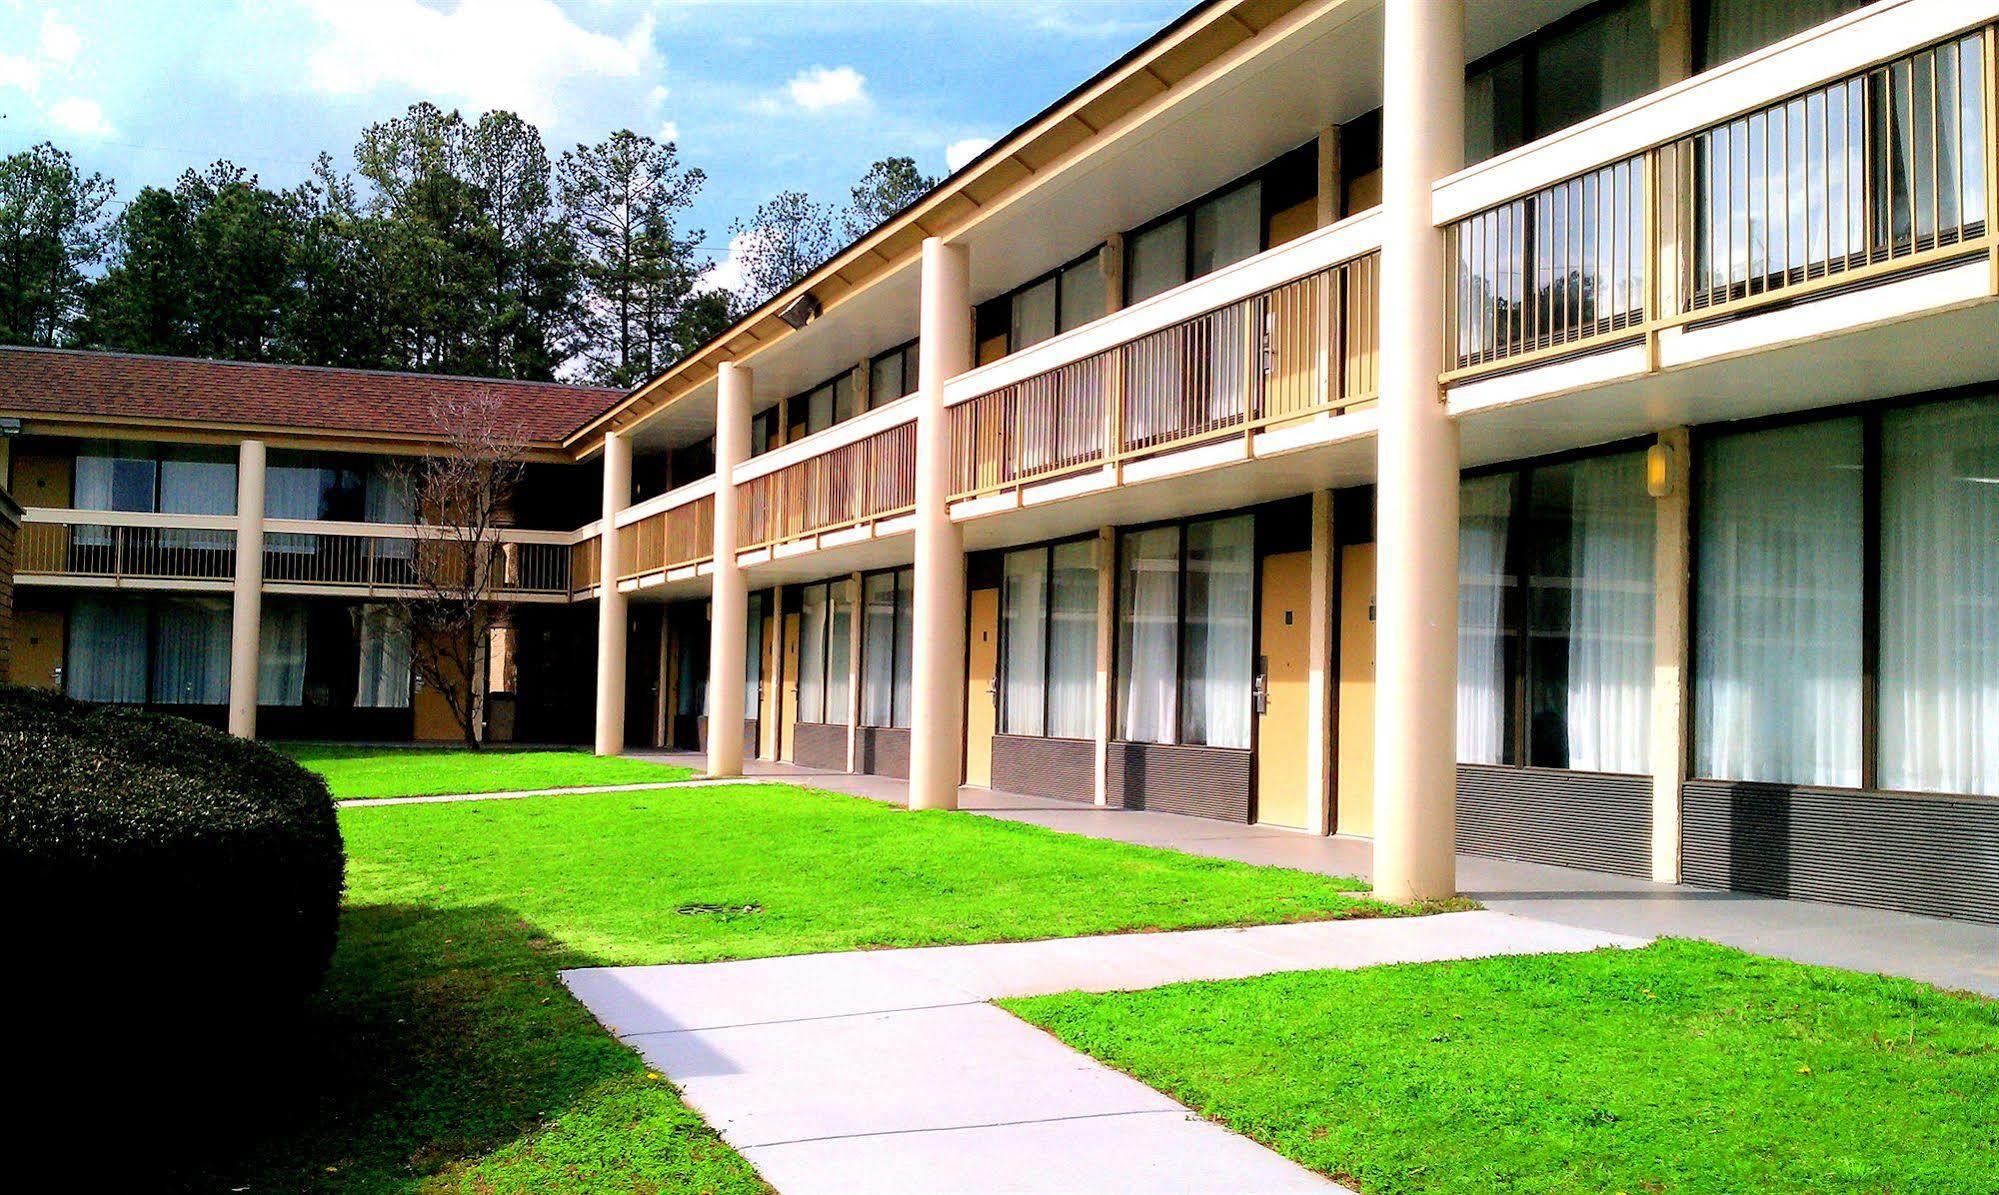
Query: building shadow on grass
point(441, 1035)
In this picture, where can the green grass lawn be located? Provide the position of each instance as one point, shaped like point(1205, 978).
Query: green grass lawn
point(1682, 1067)
point(360, 772)
point(610, 874)
point(445, 1054)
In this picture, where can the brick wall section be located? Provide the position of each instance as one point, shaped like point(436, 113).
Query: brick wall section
point(10, 526)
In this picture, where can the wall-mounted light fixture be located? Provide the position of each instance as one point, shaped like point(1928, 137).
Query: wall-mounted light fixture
point(1659, 471)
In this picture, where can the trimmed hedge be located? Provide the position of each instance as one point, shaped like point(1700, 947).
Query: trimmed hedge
point(154, 866)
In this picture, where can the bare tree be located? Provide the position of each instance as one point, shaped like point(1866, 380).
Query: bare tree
point(462, 494)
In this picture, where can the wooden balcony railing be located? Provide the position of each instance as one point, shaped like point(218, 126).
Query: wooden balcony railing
point(1880, 171)
point(586, 558)
point(1296, 350)
point(168, 547)
point(668, 539)
point(855, 483)
point(64, 544)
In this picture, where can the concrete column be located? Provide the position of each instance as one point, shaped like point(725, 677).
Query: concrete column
point(937, 682)
point(1320, 676)
point(1673, 22)
point(1417, 494)
point(1106, 656)
point(612, 605)
point(729, 612)
point(1669, 472)
point(1332, 199)
point(854, 673)
point(246, 604)
point(1110, 259)
point(772, 727)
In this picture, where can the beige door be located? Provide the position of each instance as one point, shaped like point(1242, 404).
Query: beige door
point(37, 649)
point(787, 717)
point(981, 693)
point(1356, 721)
point(1283, 718)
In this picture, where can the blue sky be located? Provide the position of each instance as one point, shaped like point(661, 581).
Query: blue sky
point(761, 94)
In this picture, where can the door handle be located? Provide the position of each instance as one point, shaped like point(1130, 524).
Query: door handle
point(1260, 686)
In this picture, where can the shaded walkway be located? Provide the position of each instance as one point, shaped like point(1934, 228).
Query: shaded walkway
point(1951, 954)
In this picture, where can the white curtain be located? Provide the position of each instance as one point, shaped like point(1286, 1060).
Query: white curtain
point(1032, 315)
point(191, 653)
point(1221, 590)
point(107, 650)
point(293, 490)
point(1082, 294)
point(385, 661)
point(1611, 532)
point(1485, 508)
point(197, 483)
point(878, 649)
point(1777, 652)
point(1024, 641)
point(281, 654)
point(812, 654)
point(1072, 641)
point(839, 650)
point(905, 644)
point(1158, 259)
point(1228, 228)
point(1148, 635)
point(753, 659)
point(1940, 598)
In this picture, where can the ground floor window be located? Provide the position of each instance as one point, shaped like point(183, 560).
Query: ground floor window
point(826, 614)
point(1048, 640)
point(384, 676)
point(887, 647)
point(1832, 550)
point(1185, 632)
point(1555, 600)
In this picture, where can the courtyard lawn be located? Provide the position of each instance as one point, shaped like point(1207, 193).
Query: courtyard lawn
point(362, 772)
point(699, 874)
point(1682, 1067)
point(445, 1054)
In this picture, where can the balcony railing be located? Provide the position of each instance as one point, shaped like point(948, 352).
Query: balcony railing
point(848, 485)
point(1879, 171)
point(586, 558)
point(72, 544)
point(1299, 349)
point(120, 546)
point(668, 539)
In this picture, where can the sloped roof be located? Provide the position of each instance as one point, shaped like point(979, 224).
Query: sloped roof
point(298, 398)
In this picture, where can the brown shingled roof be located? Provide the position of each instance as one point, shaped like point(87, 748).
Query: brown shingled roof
point(128, 386)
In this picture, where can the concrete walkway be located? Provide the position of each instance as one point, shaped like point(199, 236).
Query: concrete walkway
point(889, 1071)
point(517, 794)
point(1960, 955)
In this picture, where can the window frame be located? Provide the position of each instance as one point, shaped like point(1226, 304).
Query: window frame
point(1047, 550)
point(903, 593)
point(1264, 174)
point(907, 352)
point(1119, 673)
point(1002, 303)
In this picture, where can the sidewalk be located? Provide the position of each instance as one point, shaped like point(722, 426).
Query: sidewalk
point(1951, 954)
point(889, 1071)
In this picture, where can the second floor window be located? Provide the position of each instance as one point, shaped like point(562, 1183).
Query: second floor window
point(1568, 72)
point(892, 375)
point(138, 478)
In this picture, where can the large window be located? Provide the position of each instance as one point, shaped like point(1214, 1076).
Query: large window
point(1211, 234)
point(887, 643)
point(831, 401)
point(1555, 599)
point(1738, 27)
point(170, 480)
point(1567, 72)
point(893, 375)
point(1048, 641)
point(826, 613)
point(1810, 536)
point(1054, 303)
point(1185, 633)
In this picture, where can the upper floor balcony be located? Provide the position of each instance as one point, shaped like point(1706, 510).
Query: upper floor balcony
point(1742, 221)
point(115, 549)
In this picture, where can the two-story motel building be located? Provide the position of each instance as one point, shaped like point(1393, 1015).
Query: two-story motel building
point(1560, 431)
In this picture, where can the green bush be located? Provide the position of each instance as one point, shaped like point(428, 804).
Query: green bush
point(160, 873)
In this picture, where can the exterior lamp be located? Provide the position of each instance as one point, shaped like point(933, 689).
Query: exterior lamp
point(1659, 471)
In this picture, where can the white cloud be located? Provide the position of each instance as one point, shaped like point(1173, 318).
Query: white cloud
point(80, 116)
point(60, 42)
point(516, 54)
point(730, 273)
point(657, 95)
point(958, 153)
point(668, 131)
point(821, 87)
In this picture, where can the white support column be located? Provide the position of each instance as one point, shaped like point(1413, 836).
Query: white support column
point(611, 604)
point(937, 735)
point(1319, 677)
point(246, 613)
point(729, 612)
point(1417, 495)
point(1106, 657)
point(1331, 197)
point(1669, 472)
